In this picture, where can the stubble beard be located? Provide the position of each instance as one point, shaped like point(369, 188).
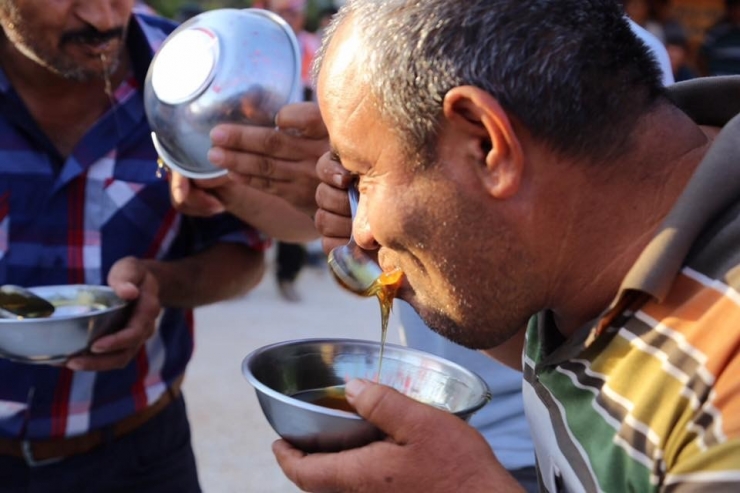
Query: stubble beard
point(58, 64)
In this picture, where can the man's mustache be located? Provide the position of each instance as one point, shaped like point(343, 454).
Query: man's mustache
point(91, 36)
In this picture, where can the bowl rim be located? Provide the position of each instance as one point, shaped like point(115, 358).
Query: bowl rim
point(295, 94)
point(55, 319)
point(175, 165)
point(261, 387)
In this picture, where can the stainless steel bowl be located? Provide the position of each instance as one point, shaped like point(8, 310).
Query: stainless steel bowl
point(82, 315)
point(286, 369)
point(225, 65)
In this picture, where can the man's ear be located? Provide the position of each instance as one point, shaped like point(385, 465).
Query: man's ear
point(478, 114)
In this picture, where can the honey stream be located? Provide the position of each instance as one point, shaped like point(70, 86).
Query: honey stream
point(385, 289)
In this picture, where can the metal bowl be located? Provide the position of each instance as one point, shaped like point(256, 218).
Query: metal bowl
point(82, 314)
point(224, 65)
point(281, 371)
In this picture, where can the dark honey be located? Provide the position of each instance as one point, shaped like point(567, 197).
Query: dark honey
point(331, 397)
point(385, 289)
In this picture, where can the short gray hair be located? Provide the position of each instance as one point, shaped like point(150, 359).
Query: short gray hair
point(571, 71)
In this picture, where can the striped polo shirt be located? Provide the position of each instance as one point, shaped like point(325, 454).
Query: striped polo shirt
point(647, 397)
point(67, 220)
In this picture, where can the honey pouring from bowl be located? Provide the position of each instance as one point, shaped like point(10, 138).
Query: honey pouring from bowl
point(358, 273)
point(355, 270)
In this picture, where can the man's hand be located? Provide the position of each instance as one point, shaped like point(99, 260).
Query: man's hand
point(130, 280)
point(426, 450)
point(333, 218)
point(279, 161)
point(197, 197)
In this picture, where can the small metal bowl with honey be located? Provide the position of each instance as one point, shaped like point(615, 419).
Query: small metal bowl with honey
point(81, 314)
point(300, 387)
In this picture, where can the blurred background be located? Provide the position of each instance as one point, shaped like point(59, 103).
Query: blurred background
point(684, 26)
point(183, 9)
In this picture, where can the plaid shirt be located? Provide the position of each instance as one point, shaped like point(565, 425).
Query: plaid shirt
point(67, 221)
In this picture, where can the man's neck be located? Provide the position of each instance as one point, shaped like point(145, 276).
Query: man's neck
point(64, 109)
point(610, 228)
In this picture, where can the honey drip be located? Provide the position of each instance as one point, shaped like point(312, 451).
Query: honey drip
point(107, 70)
point(385, 289)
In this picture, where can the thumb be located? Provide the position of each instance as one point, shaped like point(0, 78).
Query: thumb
point(395, 414)
point(125, 277)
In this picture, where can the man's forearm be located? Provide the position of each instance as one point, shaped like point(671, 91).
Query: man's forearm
point(224, 271)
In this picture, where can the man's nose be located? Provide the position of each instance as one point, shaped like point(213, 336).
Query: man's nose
point(103, 15)
point(361, 231)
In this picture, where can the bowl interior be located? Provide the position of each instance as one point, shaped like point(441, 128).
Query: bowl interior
point(82, 314)
point(285, 369)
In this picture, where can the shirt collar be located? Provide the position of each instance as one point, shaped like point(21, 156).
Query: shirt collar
point(714, 186)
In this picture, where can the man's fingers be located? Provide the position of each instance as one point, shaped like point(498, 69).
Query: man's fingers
point(303, 118)
point(334, 200)
point(265, 141)
point(127, 338)
point(294, 168)
point(398, 416)
point(315, 472)
point(125, 276)
point(179, 188)
point(333, 225)
point(326, 472)
point(202, 204)
point(109, 361)
point(331, 172)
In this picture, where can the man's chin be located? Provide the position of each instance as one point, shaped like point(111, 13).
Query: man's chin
point(87, 73)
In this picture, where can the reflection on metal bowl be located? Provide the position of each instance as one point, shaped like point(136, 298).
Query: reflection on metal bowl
point(225, 65)
point(288, 374)
point(82, 314)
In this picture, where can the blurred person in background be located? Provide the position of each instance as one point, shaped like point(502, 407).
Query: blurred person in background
point(677, 45)
point(720, 51)
point(81, 202)
point(294, 13)
point(643, 13)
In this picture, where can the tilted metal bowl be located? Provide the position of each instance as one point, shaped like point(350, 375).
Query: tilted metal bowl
point(224, 65)
point(279, 372)
point(82, 314)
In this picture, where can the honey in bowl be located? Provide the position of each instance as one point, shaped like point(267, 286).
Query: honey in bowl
point(331, 397)
point(385, 289)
